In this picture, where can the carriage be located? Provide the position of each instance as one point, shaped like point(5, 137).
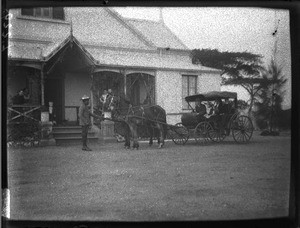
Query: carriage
point(214, 125)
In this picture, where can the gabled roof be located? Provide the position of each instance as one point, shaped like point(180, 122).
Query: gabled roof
point(158, 33)
point(108, 40)
point(70, 40)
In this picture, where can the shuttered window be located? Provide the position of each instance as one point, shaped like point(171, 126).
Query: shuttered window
point(45, 12)
point(189, 87)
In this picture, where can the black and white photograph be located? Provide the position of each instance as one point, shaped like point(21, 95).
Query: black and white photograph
point(148, 114)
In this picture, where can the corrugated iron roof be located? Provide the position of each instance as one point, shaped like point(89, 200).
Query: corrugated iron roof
point(114, 57)
point(158, 33)
point(143, 59)
point(94, 42)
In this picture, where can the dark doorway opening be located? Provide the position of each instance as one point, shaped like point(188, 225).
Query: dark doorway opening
point(54, 93)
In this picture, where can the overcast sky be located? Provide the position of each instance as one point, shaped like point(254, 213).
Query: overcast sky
point(227, 29)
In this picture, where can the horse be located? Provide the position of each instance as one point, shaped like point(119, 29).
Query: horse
point(131, 117)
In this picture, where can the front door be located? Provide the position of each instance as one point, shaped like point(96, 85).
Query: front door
point(54, 93)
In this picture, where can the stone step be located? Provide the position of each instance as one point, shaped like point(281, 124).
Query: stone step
point(74, 140)
point(66, 128)
point(70, 134)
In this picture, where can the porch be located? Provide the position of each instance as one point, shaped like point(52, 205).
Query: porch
point(57, 82)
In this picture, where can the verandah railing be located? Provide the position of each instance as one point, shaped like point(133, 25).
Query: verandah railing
point(23, 113)
point(23, 126)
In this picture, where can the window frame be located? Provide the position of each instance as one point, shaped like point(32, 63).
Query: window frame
point(42, 15)
point(188, 76)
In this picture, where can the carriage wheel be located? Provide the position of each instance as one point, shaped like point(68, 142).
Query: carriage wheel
point(202, 132)
point(242, 129)
point(179, 134)
point(217, 135)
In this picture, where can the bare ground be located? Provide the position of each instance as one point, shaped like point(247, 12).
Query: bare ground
point(191, 182)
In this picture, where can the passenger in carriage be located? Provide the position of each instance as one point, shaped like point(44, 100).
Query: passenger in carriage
point(225, 108)
point(218, 106)
point(200, 109)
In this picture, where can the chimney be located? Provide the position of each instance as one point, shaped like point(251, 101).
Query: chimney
point(161, 19)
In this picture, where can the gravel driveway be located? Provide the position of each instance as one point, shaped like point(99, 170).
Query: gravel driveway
point(218, 181)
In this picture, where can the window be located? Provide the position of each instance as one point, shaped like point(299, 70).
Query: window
point(189, 87)
point(44, 12)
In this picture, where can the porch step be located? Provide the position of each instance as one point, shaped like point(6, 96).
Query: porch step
point(74, 140)
point(66, 135)
point(70, 134)
point(57, 129)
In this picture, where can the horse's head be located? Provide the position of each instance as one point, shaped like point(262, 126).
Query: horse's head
point(119, 105)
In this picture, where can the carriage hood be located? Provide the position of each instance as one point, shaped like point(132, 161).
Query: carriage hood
point(210, 96)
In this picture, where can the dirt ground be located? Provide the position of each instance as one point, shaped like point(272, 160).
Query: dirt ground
point(218, 181)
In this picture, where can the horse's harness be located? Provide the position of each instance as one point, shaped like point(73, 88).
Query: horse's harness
point(132, 110)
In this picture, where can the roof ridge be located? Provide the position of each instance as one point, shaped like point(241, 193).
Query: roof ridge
point(131, 28)
point(70, 38)
point(175, 36)
point(140, 19)
point(161, 23)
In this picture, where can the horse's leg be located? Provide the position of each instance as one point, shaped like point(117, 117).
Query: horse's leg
point(134, 133)
point(157, 136)
point(160, 137)
point(127, 142)
point(150, 128)
point(127, 137)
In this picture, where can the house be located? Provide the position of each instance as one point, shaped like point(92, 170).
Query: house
point(61, 54)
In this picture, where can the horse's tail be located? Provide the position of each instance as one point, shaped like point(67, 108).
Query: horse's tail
point(163, 119)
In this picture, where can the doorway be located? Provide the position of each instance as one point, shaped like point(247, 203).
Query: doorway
point(54, 93)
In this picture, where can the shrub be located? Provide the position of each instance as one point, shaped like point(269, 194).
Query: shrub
point(25, 131)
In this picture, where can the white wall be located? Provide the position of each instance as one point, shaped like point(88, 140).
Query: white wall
point(76, 85)
point(168, 93)
point(209, 82)
point(169, 90)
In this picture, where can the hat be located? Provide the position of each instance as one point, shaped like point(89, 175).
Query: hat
point(85, 97)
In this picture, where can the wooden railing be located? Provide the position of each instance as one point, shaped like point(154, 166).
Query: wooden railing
point(23, 113)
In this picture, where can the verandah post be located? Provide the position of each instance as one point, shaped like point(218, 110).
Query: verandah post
point(42, 85)
point(123, 72)
point(92, 94)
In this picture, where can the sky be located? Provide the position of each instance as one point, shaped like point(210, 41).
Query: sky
point(227, 29)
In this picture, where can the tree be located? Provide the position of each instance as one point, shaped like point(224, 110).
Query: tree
point(238, 69)
point(271, 97)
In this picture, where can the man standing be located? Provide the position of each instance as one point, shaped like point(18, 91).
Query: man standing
point(85, 120)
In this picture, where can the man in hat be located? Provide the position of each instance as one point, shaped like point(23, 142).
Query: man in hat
point(85, 120)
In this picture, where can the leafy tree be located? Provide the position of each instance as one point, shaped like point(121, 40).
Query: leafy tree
point(238, 69)
point(271, 97)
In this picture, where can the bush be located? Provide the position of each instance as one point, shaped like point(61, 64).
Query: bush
point(26, 131)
